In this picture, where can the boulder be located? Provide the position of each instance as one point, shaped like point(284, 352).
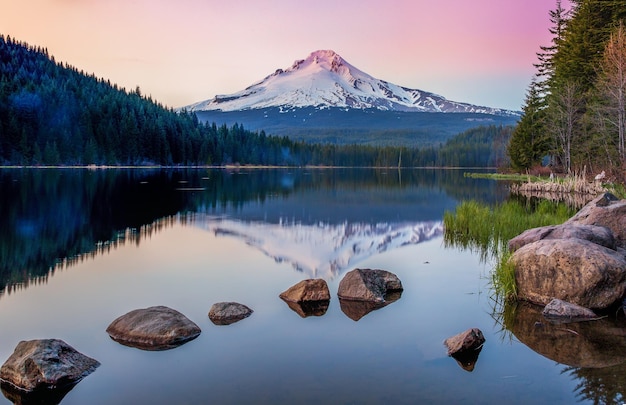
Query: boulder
point(605, 210)
point(225, 313)
point(307, 290)
point(153, 328)
point(572, 270)
point(45, 364)
point(368, 285)
point(567, 312)
point(465, 347)
point(597, 234)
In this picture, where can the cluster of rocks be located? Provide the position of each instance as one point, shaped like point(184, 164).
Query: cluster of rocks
point(48, 368)
point(360, 292)
point(578, 267)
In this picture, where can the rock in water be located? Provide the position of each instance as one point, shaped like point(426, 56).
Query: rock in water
point(566, 311)
point(153, 328)
point(368, 285)
point(45, 364)
point(465, 347)
point(225, 313)
point(471, 339)
point(307, 290)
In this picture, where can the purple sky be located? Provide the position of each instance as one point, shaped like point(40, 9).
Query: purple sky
point(184, 51)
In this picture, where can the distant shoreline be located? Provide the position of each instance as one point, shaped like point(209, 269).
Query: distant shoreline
point(234, 167)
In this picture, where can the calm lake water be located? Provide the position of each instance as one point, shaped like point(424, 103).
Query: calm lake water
point(79, 248)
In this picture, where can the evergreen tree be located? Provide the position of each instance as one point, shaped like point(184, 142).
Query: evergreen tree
point(529, 142)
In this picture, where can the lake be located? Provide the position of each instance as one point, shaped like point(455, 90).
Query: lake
point(78, 248)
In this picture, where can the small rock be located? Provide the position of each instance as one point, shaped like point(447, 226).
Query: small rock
point(153, 328)
point(465, 347)
point(562, 309)
point(307, 290)
point(45, 364)
point(471, 339)
point(368, 285)
point(225, 313)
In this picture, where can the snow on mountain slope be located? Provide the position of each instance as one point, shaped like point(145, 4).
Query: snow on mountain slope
point(324, 79)
point(323, 250)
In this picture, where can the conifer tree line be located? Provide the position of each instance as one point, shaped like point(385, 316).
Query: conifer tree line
point(53, 114)
point(574, 113)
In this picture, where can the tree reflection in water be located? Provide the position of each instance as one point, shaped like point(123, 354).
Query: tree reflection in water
point(593, 352)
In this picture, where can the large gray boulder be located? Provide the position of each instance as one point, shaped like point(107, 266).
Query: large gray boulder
point(45, 364)
point(306, 291)
point(597, 234)
point(605, 210)
point(368, 285)
point(573, 270)
point(225, 313)
point(153, 328)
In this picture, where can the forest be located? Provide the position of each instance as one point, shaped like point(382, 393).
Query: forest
point(53, 114)
point(574, 113)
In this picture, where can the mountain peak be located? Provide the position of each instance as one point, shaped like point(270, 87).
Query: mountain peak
point(323, 80)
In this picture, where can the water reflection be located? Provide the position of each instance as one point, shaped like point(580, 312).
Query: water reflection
point(356, 310)
point(593, 351)
point(323, 250)
point(309, 308)
point(38, 397)
point(55, 218)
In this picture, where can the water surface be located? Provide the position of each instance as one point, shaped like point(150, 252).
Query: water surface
point(80, 248)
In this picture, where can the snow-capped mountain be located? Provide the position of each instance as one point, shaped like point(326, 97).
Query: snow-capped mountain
point(323, 80)
point(323, 250)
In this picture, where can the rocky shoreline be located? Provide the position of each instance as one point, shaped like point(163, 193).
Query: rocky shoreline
point(582, 261)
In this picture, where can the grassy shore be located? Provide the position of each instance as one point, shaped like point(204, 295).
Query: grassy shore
point(487, 230)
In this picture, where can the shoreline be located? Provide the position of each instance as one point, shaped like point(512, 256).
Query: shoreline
point(235, 167)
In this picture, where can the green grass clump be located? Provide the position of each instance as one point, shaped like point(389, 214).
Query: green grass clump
point(487, 230)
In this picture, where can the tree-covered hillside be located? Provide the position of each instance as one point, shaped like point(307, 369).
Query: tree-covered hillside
point(575, 108)
point(54, 114)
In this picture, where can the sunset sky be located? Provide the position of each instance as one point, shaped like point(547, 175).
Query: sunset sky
point(184, 51)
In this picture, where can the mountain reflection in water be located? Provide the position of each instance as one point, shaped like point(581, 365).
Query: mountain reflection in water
point(53, 218)
point(323, 250)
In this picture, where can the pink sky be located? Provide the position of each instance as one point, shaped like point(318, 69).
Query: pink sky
point(185, 51)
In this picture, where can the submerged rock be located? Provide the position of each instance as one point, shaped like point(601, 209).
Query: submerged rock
point(45, 364)
point(368, 285)
point(153, 328)
point(566, 311)
point(226, 313)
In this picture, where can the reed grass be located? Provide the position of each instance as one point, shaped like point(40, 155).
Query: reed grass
point(487, 230)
